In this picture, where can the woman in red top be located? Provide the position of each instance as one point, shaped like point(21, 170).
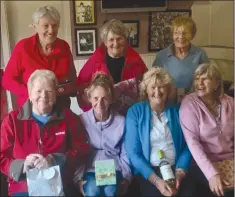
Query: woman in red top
point(40, 51)
point(114, 57)
point(40, 135)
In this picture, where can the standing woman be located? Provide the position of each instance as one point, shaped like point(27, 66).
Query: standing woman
point(43, 50)
point(114, 57)
point(181, 58)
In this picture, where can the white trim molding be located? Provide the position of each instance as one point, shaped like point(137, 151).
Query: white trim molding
point(5, 46)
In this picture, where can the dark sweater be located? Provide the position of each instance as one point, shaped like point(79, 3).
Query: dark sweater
point(115, 66)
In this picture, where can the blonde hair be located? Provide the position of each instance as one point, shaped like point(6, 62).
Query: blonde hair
point(102, 80)
point(187, 22)
point(211, 71)
point(115, 26)
point(46, 11)
point(42, 74)
point(158, 76)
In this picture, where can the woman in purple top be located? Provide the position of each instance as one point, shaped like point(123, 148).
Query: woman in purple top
point(105, 129)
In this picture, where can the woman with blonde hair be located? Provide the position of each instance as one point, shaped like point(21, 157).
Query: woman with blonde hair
point(181, 58)
point(114, 56)
point(207, 119)
point(105, 128)
point(152, 125)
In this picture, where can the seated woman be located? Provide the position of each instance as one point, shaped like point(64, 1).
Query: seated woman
point(105, 128)
point(38, 135)
point(153, 125)
point(114, 57)
point(207, 119)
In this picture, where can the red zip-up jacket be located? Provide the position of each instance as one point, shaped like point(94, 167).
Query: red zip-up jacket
point(26, 58)
point(62, 138)
point(134, 67)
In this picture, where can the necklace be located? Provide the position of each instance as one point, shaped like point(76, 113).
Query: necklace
point(218, 117)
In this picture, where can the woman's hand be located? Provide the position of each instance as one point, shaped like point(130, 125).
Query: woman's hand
point(164, 188)
point(216, 185)
point(42, 162)
point(29, 162)
point(179, 175)
point(80, 185)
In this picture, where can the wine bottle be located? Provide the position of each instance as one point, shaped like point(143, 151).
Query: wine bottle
point(166, 171)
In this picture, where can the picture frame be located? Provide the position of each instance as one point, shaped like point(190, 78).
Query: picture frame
point(160, 35)
point(84, 12)
point(133, 32)
point(85, 41)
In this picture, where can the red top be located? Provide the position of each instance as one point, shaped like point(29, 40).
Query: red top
point(134, 66)
point(26, 58)
point(21, 134)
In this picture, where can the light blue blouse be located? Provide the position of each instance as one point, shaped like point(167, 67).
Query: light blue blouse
point(181, 70)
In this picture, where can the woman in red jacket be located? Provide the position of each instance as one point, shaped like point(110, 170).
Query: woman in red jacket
point(40, 135)
point(114, 57)
point(43, 50)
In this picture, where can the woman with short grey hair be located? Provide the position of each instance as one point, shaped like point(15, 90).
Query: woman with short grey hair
point(116, 26)
point(41, 74)
point(114, 56)
point(43, 50)
point(46, 10)
point(40, 135)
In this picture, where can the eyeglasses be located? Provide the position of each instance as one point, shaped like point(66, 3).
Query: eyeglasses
point(181, 33)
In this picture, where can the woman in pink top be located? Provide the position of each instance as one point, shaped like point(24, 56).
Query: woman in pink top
point(207, 120)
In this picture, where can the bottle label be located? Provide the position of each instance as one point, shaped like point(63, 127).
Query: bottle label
point(167, 172)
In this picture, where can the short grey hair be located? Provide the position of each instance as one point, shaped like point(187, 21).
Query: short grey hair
point(211, 71)
point(42, 74)
point(157, 75)
point(115, 26)
point(46, 11)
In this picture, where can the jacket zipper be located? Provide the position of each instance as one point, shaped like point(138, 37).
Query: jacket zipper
point(40, 144)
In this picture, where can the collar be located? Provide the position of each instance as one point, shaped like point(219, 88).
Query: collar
point(26, 113)
point(105, 123)
point(170, 52)
point(163, 118)
point(57, 49)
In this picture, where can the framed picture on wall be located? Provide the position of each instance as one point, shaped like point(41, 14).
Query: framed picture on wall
point(160, 35)
point(133, 32)
point(84, 12)
point(85, 40)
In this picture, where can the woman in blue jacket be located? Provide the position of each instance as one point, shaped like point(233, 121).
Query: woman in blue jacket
point(153, 125)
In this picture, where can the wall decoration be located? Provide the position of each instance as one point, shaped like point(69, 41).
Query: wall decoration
point(84, 12)
point(133, 32)
point(160, 35)
point(85, 41)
